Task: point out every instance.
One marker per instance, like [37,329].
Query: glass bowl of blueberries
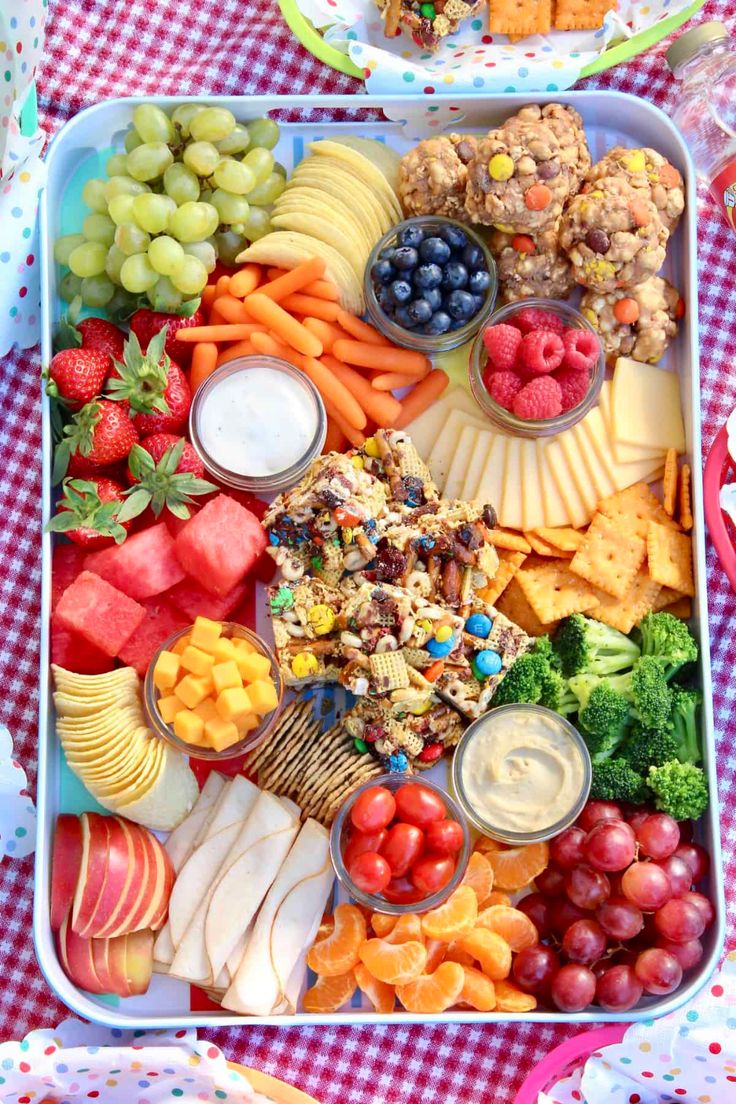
[430,284]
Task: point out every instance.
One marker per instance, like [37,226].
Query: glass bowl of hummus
[521,773]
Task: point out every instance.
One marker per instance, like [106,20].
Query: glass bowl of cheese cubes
[213,690]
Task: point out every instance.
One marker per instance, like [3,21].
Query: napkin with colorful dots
[688,1057]
[22,172]
[17,811]
[472,60]
[78,1061]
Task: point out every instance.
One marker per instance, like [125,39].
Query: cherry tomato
[445,837]
[370,872]
[432,873]
[402,847]
[373,810]
[400,891]
[360,842]
[419,805]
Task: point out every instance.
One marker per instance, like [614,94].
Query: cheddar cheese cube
[245,723]
[226,675]
[192,690]
[166,670]
[168,707]
[253,666]
[196,661]
[263,697]
[188,726]
[182,643]
[207,710]
[233,702]
[205,633]
[223,650]
[220,734]
[242,645]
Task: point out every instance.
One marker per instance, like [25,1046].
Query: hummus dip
[521,771]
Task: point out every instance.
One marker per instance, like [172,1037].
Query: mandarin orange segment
[330,993]
[381,995]
[454,918]
[382,923]
[517,866]
[478,990]
[485,844]
[394,963]
[436,954]
[326,928]
[496,897]
[338,952]
[453,953]
[511,924]
[509,998]
[407,929]
[479,875]
[490,950]
[435,992]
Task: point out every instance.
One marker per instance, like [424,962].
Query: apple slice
[158,899]
[66,861]
[131,914]
[118,873]
[159,918]
[76,959]
[122,915]
[95,842]
[138,962]
[101,963]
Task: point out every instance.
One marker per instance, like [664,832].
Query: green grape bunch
[190,188]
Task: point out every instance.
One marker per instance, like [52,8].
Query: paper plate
[313,41]
[565,1058]
[278,1090]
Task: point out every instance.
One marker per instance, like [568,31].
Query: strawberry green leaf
[67,335]
[142,377]
[135,503]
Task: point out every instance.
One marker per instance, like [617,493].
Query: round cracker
[364,169]
[324,230]
[378,153]
[335,177]
[314,201]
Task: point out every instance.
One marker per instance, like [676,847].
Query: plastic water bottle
[703,60]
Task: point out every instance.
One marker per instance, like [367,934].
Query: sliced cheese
[622,475]
[532,497]
[444,447]
[623,453]
[483,444]
[511,514]
[645,406]
[599,474]
[425,429]
[555,510]
[578,513]
[578,471]
[490,485]
[460,460]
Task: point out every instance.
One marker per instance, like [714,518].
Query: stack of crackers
[518,18]
[633,558]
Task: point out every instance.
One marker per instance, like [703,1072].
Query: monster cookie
[428,23]
[613,235]
[517,180]
[531,267]
[649,171]
[638,322]
[433,175]
[567,126]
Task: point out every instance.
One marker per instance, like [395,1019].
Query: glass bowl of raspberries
[537,367]
[429,284]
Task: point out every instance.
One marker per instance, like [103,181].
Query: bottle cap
[688,44]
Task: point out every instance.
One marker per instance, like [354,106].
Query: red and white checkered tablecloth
[98,49]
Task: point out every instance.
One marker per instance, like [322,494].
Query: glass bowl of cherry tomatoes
[400,844]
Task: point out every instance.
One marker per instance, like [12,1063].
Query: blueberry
[403,317]
[434,250]
[458,324]
[479,282]
[428,276]
[455,238]
[455,276]
[405,258]
[433,296]
[472,257]
[411,235]
[401,291]
[439,323]
[460,305]
[383,272]
[478,302]
[419,311]
[387,254]
[384,300]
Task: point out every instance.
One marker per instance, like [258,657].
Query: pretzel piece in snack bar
[405,738]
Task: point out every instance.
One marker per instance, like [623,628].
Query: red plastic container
[720,469]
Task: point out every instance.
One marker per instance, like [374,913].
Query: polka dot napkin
[473,60]
[688,1057]
[17,811]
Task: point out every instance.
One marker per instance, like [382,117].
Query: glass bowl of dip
[412,899]
[257,423]
[251,739]
[521,773]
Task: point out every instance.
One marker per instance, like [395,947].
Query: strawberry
[152,385]
[77,375]
[101,432]
[88,513]
[145,324]
[158,443]
[99,334]
[165,472]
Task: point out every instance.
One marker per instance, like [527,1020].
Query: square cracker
[513,604]
[554,592]
[624,613]
[669,490]
[671,558]
[508,564]
[520,17]
[609,557]
[564,537]
[682,608]
[544,548]
[634,508]
[507,538]
[581,15]
[686,510]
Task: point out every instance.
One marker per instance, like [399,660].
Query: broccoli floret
[669,640]
[650,694]
[614,780]
[684,726]
[587,646]
[557,695]
[680,789]
[543,647]
[604,721]
[524,682]
[648,747]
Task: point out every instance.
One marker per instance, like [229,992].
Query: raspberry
[541,351]
[582,349]
[537,318]
[503,387]
[502,345]
[573,386]
[539,399]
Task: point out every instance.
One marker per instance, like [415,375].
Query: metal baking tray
[78,153]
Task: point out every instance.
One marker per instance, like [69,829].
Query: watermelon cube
[194,601]
[142,566]
[66,563]
[162,620]
[220,545]
[74,653]
[100,613]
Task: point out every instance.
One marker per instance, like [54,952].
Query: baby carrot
[383,408]
[328,334]
[422,397]
[275,318]
[309,304]
[355,436]
[392,381]
[222,285]
[360,330]
[299,277]
[404,361]
[227,332]
[335,441]
[231,309]
[274,273]
[268,344]
[208,296]
[245,281]
[239,349]
[323,289]
[204,362]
